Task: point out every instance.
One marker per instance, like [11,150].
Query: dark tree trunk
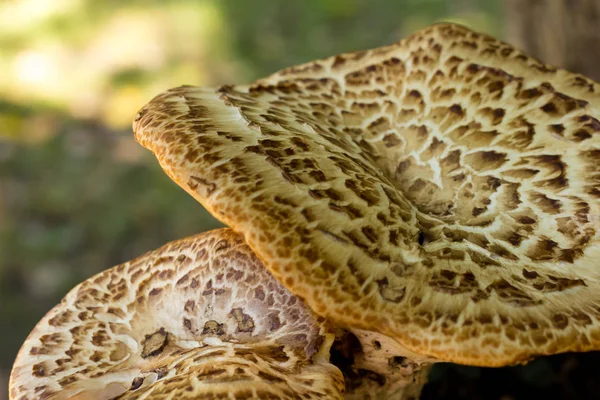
[565,33]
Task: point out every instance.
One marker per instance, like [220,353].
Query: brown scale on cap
[443,191]
[183,322]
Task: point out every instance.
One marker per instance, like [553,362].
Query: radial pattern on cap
[443,191]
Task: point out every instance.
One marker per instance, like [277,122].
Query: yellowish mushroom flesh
[443,191]
[199,318]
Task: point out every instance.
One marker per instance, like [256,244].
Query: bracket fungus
[435,200]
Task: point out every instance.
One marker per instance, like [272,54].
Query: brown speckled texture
[197,318]
[443,191]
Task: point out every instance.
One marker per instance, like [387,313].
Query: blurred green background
[78,195]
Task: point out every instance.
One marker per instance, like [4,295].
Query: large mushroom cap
[443,191]
[197,318]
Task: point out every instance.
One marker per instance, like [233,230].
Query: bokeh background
[78,195]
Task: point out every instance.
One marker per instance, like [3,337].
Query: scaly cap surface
[197,318]
[443,191]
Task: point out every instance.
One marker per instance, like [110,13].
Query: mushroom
[436,200]
[199,318]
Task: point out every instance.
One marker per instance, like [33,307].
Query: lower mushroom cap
[197,318]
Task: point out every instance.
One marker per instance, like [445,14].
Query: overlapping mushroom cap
[443,191]
[197,318]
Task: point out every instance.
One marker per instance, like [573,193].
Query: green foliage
[269,35]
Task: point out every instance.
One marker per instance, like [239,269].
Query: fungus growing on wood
[435,200]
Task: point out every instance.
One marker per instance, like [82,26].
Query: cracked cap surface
[443,191]
[197,318]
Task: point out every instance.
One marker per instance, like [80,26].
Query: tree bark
[564,33]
